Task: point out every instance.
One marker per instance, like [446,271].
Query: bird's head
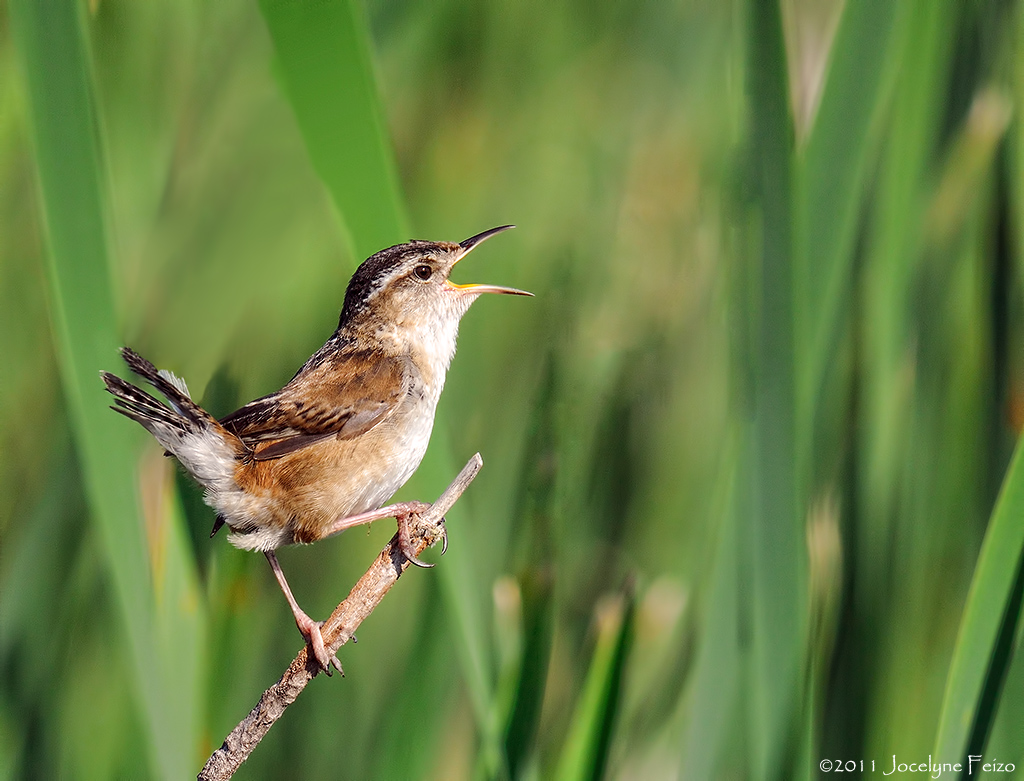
[403,293]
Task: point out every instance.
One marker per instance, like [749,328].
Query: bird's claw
[410,554]
[319,650]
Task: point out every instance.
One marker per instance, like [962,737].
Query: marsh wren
[327,450]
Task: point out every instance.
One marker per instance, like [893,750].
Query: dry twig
[346,618]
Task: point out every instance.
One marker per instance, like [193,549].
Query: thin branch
[346,618]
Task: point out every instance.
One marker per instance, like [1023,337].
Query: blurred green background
[749,498]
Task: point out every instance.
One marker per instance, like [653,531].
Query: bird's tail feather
[180,415]
[184,429]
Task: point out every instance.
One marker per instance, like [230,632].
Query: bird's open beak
[480,238]
[467,247]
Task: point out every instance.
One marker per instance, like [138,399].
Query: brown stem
[346,618]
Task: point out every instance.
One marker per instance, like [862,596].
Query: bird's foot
[310,630]
[411,511]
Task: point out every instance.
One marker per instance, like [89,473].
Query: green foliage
[985,644]
[153,581]
[771,381]
[323,57]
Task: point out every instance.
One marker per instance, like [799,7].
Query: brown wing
[344,396]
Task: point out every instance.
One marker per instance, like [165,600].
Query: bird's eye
[423,271]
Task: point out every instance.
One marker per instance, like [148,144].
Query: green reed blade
[324,59]
[830,177]
[585,752]
[984,646]
[161,619]
[777,576]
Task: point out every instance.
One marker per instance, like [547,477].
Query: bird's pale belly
[299,498]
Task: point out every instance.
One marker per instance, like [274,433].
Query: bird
[325,452]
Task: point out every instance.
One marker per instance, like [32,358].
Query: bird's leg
[310,629]
[403,513]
